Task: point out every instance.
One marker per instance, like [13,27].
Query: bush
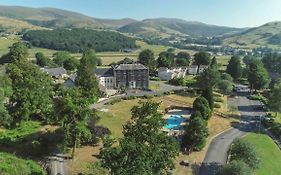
[147,96]
[217,105]
[261,98]
[154,79]
[235,168]
[177,82]
[218,99]
[243,150]
[100,131]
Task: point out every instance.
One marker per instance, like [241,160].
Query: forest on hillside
[79,40]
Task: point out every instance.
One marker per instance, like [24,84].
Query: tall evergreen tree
[201,105]
[196,132]
[257,75]
[234,68]
[274,101]
[214,62]
[208,95]
[86,79]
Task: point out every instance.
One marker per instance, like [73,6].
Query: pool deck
[184,113]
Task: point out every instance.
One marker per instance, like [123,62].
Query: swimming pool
[174,122]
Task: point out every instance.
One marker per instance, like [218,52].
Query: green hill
[162,27]
[57,18]
[266,35]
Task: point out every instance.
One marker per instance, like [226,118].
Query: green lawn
[5,43]
[269,153]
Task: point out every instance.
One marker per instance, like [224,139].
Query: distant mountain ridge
[170,25]
[57,18]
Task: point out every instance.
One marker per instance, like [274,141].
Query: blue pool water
[174,122]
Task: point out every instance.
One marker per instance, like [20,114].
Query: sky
[235,13]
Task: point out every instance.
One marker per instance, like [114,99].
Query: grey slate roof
[134,66]
[54,71]
[104,72]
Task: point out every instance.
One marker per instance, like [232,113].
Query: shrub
[243,150]
[218,99]
[112,102]
[235,168]
[147,96]
[154,79]
[261,98]
[177,82]
[217,105]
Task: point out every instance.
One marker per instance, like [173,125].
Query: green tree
[146,57]
[166,59]
[274,102]
[183,59]
[202,58]
[243,150]
[257,75]
[202,105]
[74,114]
[32,89]
[234,68]
[208,78]
[235,168]
[18,51]
[225,87]
[5,93]
[41,59]
[71,63]
[214,62]
[60,57]
[208,95]
[86,80]
[144,149]
[196,132]
[226,76]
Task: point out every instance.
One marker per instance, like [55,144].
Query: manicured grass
[120,112]
[154,86]
[269,153]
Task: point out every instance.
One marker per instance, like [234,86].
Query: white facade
[167,74]
[192,70]
[107,82]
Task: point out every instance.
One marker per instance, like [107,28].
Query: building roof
[134,66]
[54,71]
[193,66]
[72,77]
[104,72]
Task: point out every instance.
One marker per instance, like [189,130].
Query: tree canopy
[208,78]
[146,57]
[32,89]
[86,79]
[202,105]
[145,149]
[202,58]
[196,132]
[234,67]
[257,75]
[274,101]
[79,40]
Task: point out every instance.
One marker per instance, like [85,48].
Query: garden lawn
[269,153]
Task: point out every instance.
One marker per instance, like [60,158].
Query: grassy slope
[255,37]
[269,153]
[10,164]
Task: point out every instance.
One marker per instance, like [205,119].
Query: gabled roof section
[104,72]
[54,71]
[134,66]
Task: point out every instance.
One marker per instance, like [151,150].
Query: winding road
[218,149]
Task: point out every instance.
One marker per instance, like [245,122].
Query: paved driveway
[218,149]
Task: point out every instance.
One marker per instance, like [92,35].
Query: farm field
[269,153]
